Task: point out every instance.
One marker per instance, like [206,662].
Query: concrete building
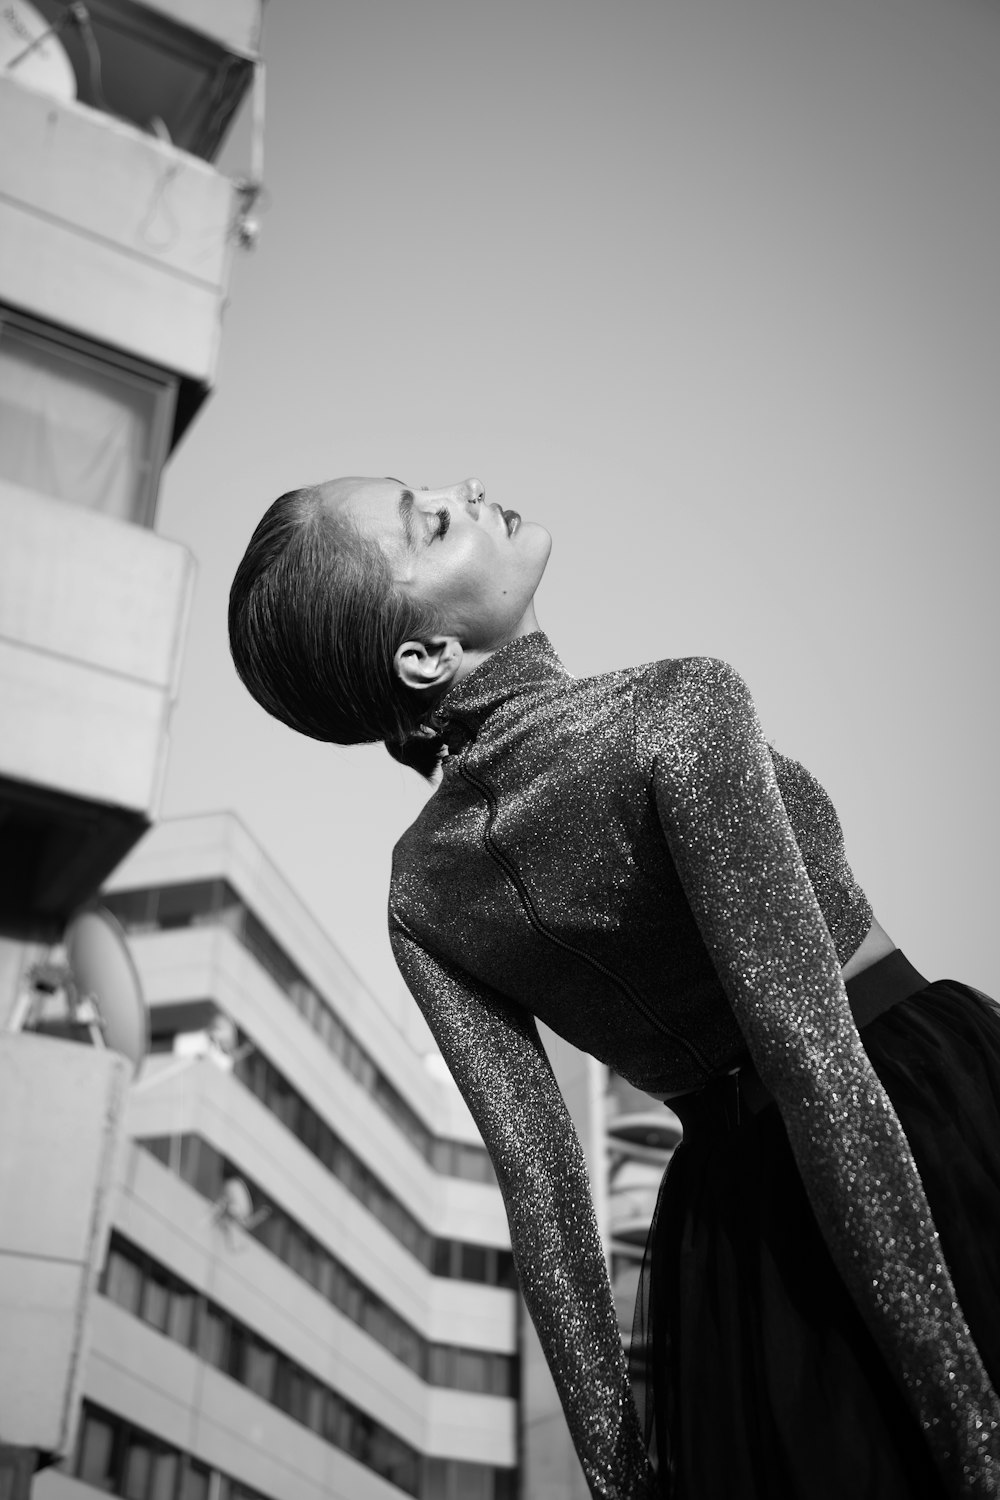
[309,1286]
[116,237]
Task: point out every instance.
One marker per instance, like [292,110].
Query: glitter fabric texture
[624,858]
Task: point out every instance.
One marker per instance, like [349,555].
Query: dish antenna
[105,974]
[31,52]
[93,995]
[234,1208]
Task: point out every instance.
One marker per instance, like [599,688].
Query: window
[313,1417]
[212,1342]
[259,1368]
[441,1365]
[392,1458]
[178,905]
[273,1233]
[202,1167]
[163,1477]
[472,1482]
[180,1316]
[472,1163]
[137,64]
[473,1371]
[506,1274]
[123,1280]
[236,1352]
[361,1432]
[95,1458]
[442,1264]
[473,1262]
[135,910]
[158,1146]
[281,1101]
[195,1480]
[504,1375]
[138,1467]
[155,1300]
[231,1490]
[336,1420]
[80,423]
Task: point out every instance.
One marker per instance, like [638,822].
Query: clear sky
[710,288]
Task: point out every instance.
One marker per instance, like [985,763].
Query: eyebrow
[405,508]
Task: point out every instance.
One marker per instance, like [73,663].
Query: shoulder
[690,684]
[692,706]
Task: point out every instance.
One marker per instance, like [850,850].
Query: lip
[511,520]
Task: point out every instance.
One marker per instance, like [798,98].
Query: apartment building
[117,232]
[309,1289]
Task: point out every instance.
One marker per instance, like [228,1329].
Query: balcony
[113,233]
[114,225]
[92,612]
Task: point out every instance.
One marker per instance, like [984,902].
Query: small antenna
[250,187]
[51,1004]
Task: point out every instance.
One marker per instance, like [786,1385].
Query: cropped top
[624,858]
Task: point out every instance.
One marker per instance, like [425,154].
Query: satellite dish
[105,973]
[32,53]
[235,1202]
[234,1208]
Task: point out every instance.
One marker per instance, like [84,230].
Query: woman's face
[476,565]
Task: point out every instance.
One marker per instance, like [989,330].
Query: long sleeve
[741,869]
[496,1057]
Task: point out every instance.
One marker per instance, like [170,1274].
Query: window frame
[160,383]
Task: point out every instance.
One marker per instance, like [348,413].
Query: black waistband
[883,985]
[870,994]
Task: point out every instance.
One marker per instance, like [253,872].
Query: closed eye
[444,521]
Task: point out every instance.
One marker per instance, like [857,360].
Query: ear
[428,666]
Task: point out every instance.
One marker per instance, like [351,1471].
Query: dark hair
[315,620]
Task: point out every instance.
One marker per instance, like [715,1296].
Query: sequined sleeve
[496,1057]
[743,875]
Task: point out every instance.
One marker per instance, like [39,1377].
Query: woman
[624,858]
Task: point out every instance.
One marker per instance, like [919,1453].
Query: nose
[475,491]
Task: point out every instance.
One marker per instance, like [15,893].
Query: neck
[475,656]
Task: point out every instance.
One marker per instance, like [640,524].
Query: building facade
[309,1289]
[117,233]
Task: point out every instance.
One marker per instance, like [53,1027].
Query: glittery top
[623,857]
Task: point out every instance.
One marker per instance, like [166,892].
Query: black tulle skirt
[758,1377]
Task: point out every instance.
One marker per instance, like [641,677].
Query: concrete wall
[112,232]
[92,614]
[61,1108]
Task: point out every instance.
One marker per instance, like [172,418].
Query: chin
[537,536]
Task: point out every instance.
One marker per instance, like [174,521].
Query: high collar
[520,667]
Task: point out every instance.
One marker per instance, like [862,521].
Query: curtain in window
[72,430]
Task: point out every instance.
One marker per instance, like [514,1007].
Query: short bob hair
[315,620]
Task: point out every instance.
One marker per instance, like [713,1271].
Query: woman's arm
[737,857]
[496,1058]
